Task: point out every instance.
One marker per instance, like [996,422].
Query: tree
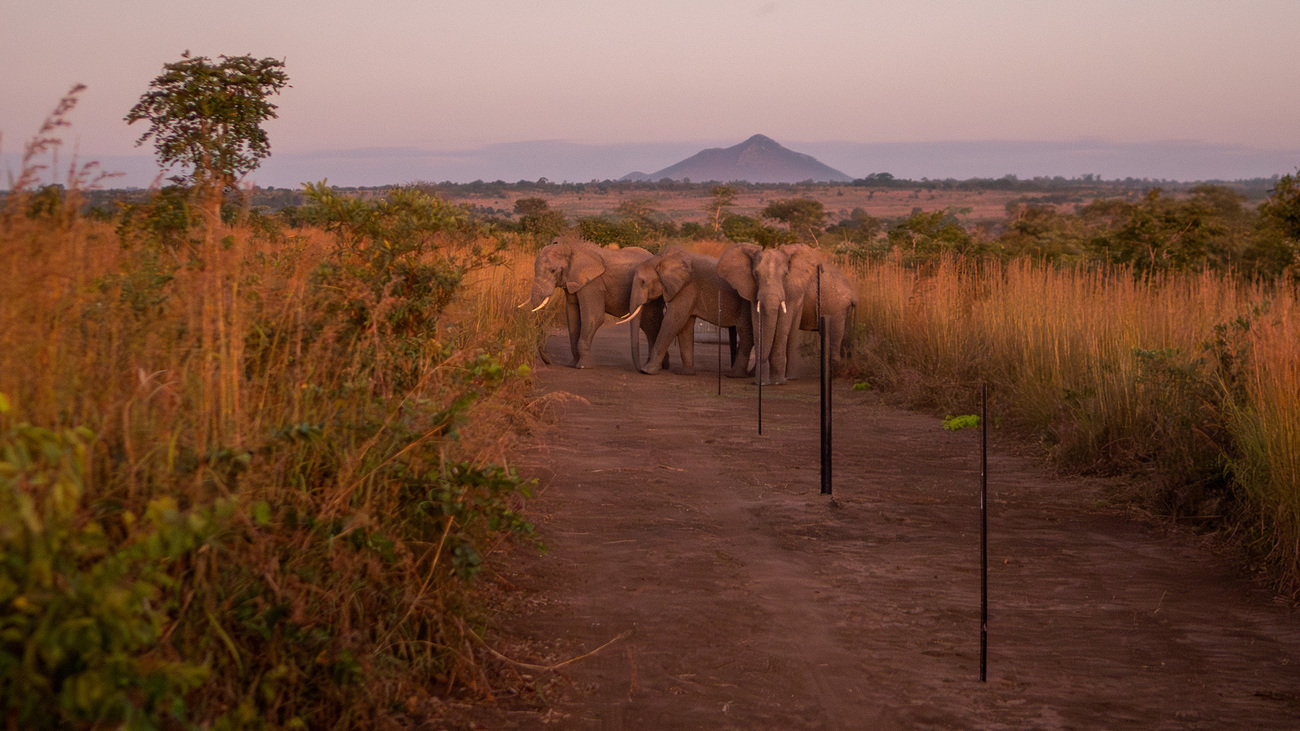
[804,216]
[724,196]
[646,220]
[538,219]
[1275,246]
[207,116]
[1282,209]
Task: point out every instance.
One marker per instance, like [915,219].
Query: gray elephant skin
[596,282]
[691,288]
[781,285]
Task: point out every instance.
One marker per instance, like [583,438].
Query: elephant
[691,288]
[781,285]
[596,282]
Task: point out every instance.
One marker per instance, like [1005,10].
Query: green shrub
[85,593]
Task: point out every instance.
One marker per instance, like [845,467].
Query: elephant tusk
[760,308]
[543,304]
[782,307]
[521,305]
[630,315]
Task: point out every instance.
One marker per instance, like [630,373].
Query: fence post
[984,531]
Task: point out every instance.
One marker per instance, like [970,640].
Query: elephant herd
[766,295]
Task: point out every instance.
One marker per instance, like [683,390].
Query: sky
[391,91]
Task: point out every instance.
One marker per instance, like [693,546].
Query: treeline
[1172,227]
[1212,228]
[1209,228]
[1062,188]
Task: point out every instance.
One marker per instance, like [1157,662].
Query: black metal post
[719,343]
[825,372]
[826,406]
[759,367]
[984,532]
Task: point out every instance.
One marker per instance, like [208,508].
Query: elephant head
[660,276]
[565,264]
[758,275]
[776,282]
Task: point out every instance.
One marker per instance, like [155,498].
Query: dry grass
[1192,379]
[333,473]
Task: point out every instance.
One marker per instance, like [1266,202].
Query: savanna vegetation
[250,472]
[252,450]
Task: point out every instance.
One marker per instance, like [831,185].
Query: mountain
[758,159]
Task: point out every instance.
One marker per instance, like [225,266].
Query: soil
[720,590]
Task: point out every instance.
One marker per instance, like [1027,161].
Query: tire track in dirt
[755,602]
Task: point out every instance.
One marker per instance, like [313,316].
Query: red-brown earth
[739,597]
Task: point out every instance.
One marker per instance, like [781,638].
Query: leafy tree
[1161,233]
[745,228]
[605,230]
[858,234]
[925,234]
[1282,209]
[537,218]
[724,196]
[1275,245]
[1040,231]
[207,117]
[860,226]
[804,216]
[644,218]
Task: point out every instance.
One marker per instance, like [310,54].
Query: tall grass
[246,479]
[1188,378]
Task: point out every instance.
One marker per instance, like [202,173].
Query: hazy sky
[460,75]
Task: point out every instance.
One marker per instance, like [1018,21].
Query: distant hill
[759,159]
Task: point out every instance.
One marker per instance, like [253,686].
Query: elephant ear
[674,273]
[736,266]
[584,266]
[803,264]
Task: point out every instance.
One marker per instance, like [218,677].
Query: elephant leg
[572,316]
[792,352]
[765,337]
[674,320]
[653,325]
[741,349]
[663,316]
[783,347]
[848,325]
[591,309]
[686,347]
[836,341]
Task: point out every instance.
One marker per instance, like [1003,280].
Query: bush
[87,592]
[286,503]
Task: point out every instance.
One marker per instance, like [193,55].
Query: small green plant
[81,614]
[965,421]
[862,386]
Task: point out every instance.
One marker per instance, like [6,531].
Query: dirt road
[747,600]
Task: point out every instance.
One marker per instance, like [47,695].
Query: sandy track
[752,601]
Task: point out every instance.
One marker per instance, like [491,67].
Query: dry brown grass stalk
[1185,377]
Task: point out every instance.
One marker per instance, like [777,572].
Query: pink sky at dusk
[447,76]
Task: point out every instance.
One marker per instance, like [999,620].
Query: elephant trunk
[541,296]
[636,303]
[767,311]
[635,330]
